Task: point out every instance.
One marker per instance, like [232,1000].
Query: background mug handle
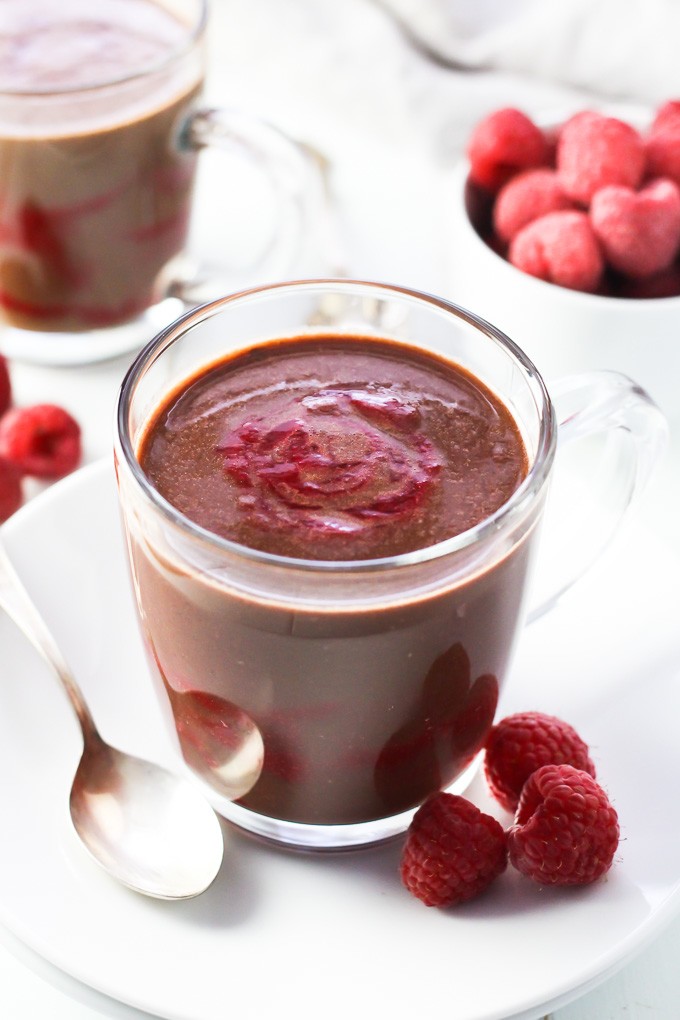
[299,235]
[621,434]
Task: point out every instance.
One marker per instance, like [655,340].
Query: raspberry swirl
[337,461]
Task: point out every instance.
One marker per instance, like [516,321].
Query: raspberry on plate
[639,231]
[526,197]
[453,851]
[502,143]
[566,831]
[42,441]
[11,495]
[594,151]
[560,248]
[5,386]
[521,743]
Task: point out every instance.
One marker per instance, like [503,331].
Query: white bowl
[565,331]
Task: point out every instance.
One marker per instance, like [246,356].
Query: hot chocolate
[333,448]
[339,448]
[94,194]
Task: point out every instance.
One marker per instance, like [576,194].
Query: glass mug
[98,162]
[321,702]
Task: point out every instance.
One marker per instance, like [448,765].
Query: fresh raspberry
[662,150]
[453,851]
[639,230]
[565,832]
[526,197]
[42,441]
[10,489]
[594,151]
[522,743]
[560,248]
[503,143]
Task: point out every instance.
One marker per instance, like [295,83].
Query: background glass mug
[99,131]
[372,683]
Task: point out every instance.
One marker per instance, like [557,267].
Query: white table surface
[340,76]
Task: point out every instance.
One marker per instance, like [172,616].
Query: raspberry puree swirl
[336,462]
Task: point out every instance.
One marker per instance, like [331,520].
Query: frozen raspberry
[522,743]
[552,137]
[42,441]
[662,149]
[639,231]
[5,386]
[10,489]
[503,143]
[662,285]
[565,832]
[594,151]
[667,115]
[453,851]
[528,196]
[560,248]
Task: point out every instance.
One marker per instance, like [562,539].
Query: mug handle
[299,179]
[625,433]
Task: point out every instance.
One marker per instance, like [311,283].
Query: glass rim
[194,32]
[503,518]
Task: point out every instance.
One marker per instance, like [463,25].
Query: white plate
[300,936]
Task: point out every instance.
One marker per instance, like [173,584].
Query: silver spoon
[150,829]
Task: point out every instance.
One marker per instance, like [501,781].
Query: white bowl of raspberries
[566,236]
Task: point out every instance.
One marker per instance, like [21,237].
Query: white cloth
[623,49]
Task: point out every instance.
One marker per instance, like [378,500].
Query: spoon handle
[14,599]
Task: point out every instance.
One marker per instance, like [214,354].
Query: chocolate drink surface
[336,448]
[94,196]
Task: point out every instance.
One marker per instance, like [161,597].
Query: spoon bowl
[146,826]
[150,829]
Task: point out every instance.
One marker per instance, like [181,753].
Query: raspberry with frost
[594,151]
[662,144]
[526,197]
[666,116]
[560,248]
[662,285]
[502,143]
[662,149]
[639,231]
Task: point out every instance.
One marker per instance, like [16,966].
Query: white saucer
[302,936]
